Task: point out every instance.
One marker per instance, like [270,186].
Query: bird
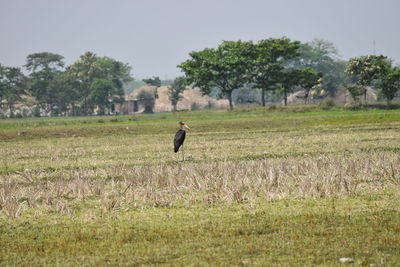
[180,137]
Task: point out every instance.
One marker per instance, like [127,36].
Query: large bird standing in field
[180,137]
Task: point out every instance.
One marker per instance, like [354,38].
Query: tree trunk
[229,93]
[365,97]
[285,97]
[10,106]
[85,107]
[263,97]
[306,98]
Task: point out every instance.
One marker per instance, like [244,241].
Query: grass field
[298,186]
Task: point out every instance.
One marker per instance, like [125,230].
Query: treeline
[273,67]
[91,83]
[281,66]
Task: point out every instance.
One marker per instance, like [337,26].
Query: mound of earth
[192,99]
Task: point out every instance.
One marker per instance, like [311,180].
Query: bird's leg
[183,154]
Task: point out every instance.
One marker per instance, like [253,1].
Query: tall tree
[267,58]
[390,84]
[368,69]
[308,79]
[43,68]
[323,57]
[2,84]
[175,91]
[12,86]
[224,68]
[90,67]
[85,70]
[66,93]
[298,78]
[288,81]
[43,61]
[118,73]
[101,92]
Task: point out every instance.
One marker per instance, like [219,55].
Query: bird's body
[180,138]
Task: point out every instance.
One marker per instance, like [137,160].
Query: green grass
[162,124]
[296,233]
[258,187]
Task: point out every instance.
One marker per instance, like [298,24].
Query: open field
[258,187]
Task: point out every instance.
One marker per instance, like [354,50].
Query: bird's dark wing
[178,139]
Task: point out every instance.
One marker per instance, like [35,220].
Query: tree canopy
[175,91]
[155,81]
[42,61]
[224,67]
[43,68]
[12,86]
[91,67]
[322,56]
[367,71]
[390,84]
[267,59]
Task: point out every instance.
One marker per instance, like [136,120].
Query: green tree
[66,93]
[84,71]
[12,86]
[356,91]
[298,78]
[101,92]
[267,59]
[90,67]
[288,81]
[322,56]
[175,91]
[43,61]
[390,84]
[43,68]
[155,81]
[308,79]
[224,68]
[118,73]
[367,70]
[2,83]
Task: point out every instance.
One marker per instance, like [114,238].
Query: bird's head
[183,125]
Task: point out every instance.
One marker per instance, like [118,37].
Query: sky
[154,36]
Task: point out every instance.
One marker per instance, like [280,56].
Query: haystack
[192,99]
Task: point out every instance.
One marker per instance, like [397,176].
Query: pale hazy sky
[154,36]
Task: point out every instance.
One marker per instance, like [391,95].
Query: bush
[327,104]
[194,106]
[36,112]
[148,99]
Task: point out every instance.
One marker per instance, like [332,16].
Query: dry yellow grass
[221,167]
[289,189]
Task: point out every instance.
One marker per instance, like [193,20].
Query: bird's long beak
[187,127]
